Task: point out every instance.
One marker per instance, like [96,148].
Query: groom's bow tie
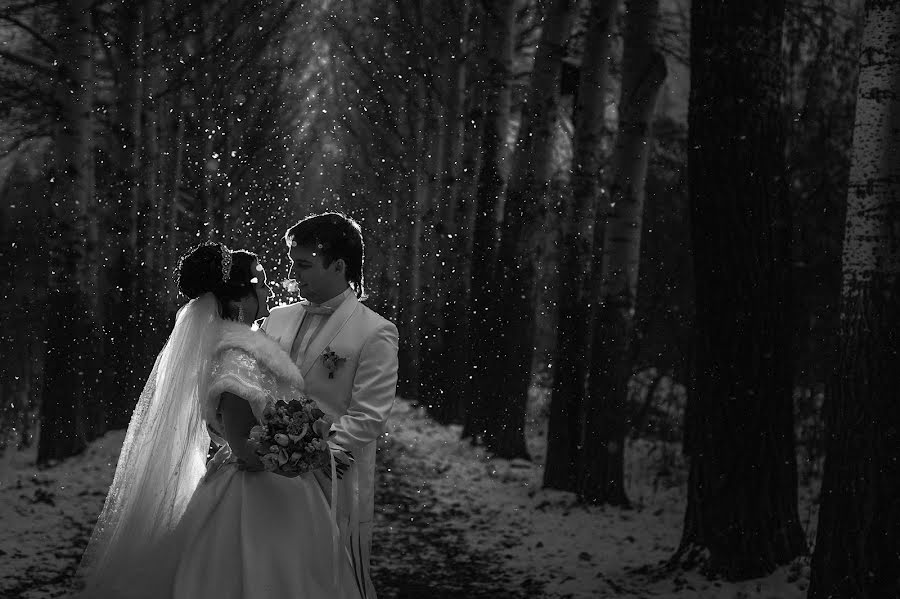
[312,308]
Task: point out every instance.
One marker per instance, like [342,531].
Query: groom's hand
[340,466]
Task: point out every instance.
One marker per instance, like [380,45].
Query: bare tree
[741,518]
[122,254]
[454,387]
[455,77]
[601,465]
[70,413]
[505,385]
[857,551]
[575,262]
[174,151]
[497,29]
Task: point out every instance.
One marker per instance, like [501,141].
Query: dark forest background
[638,207]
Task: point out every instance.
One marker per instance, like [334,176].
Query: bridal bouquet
[293,437]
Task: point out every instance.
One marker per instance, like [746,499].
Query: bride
[175,527]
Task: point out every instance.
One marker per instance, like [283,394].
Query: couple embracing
[246,524]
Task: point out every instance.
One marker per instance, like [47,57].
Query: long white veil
[164,454]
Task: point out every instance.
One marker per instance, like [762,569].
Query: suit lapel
[332,327]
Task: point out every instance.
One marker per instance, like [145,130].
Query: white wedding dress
[212,532]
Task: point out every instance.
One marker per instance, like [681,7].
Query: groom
[344,350]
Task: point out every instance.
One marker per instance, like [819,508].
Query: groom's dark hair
[338,236]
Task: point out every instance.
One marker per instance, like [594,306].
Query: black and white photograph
[444,299]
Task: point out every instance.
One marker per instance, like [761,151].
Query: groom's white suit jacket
[366,381]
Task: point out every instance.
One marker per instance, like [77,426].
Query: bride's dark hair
[200,271]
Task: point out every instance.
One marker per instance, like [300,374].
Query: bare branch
[32,63]
[15,9]
[35,134]
[25,27]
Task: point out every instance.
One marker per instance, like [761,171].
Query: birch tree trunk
[857,551]
[573,333]
[70,413]
[497,28]
[742,519]
[507,382]
[601,463]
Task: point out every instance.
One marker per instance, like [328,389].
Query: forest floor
[451,521]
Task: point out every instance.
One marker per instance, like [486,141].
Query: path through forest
[419,551]
[451,521]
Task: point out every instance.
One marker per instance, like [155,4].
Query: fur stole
[262,347]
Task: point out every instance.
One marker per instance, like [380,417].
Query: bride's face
[257,307]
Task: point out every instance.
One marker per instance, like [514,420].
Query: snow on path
[547,542]
[46,516]
[450,521]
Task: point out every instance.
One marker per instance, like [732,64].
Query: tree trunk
[437,368]
[507,382]
[741,518]
[602,461]
[176,158]
[394,265]
[430,275]
[456,382]
[152,330]
[573,333]
[497,28]
[419,196]
[204,99]
[857,550]
[125,386]
[70,413]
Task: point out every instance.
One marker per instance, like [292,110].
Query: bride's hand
[247,460]
[258,467]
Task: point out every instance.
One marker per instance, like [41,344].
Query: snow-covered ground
[47,515]
[572,549]
[545,543]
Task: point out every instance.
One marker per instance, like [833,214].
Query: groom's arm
[374,388]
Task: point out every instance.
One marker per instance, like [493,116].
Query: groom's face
[316,282]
